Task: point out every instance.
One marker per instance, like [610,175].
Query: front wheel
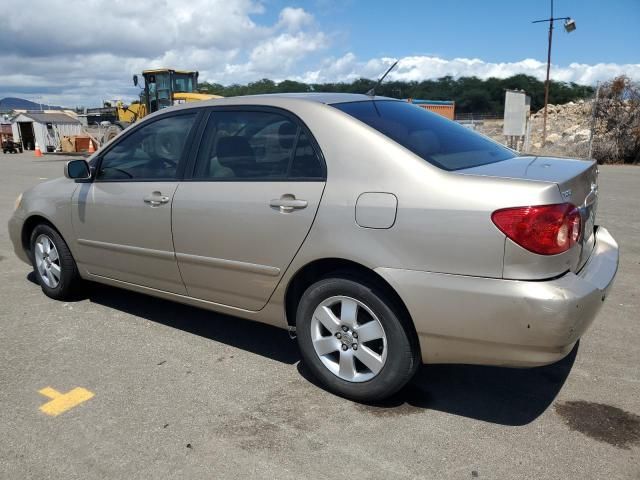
[53,263]
[354,339]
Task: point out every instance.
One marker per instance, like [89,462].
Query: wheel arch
[317,269]
[29,225]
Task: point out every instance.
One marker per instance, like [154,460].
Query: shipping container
[446,108]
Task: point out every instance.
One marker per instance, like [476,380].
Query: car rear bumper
[462,319]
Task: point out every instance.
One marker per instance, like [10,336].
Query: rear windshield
[439,141]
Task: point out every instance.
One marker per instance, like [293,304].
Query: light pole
[569,26]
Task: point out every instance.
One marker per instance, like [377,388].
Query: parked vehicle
[383,235]
[9,146]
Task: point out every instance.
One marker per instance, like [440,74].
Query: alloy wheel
[47,261]
[349,338]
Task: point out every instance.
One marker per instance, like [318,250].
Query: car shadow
[504,396]
[500,395]
[258,338]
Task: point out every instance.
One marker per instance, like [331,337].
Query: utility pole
[546,82]
[569,26]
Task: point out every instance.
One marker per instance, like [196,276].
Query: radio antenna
[372,92]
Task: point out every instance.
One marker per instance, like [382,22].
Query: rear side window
[306,163]
[255,145]
[437,140]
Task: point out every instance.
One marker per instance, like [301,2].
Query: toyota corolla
[382,235]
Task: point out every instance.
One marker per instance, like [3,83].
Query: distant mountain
[12,103]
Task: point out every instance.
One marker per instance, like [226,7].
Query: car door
[122,219]
[242,216]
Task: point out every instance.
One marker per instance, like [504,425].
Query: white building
[47,129]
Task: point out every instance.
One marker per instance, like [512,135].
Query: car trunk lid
[576,180]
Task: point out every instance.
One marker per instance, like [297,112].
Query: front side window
[437,140]
[246,145]
[151,152]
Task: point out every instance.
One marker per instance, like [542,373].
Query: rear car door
[122,219]
[240,219]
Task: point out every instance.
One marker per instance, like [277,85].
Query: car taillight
[542,229]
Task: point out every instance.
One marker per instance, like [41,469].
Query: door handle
[288,203]
[156,199]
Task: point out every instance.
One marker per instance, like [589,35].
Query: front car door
[241,218]
[122,220]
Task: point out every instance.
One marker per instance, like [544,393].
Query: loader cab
[161,85]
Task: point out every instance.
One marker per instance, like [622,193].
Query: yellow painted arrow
[61,402]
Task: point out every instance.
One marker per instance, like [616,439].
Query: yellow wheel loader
[162,88]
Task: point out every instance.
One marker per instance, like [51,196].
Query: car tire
[53,264]
[367,370]
[112,132]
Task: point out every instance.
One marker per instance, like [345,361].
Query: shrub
[617,117]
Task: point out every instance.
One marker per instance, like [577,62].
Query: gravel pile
[568,130]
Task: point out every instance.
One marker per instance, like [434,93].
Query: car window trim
[182,162]
[292,156]
[191,168]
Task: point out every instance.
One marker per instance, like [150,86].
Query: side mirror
[77,170]
[135,80]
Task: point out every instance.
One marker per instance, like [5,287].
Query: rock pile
[568,130]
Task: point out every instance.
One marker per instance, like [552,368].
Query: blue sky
[51,56]
[493,30]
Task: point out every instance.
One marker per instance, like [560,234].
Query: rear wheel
[53,263]
[354,340]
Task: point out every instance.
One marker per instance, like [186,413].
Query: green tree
[471,94]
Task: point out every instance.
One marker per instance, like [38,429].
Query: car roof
[276,99]
[322,97]
[279,100]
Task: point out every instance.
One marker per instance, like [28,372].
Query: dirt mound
[568,129]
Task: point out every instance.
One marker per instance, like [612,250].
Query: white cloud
[417,68]
[294,18]
[277,55]
[125,27]
[78,52]
[75,52]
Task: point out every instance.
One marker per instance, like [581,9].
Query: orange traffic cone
[91,147]
[38,151]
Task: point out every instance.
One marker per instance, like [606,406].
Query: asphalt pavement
[144,388]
